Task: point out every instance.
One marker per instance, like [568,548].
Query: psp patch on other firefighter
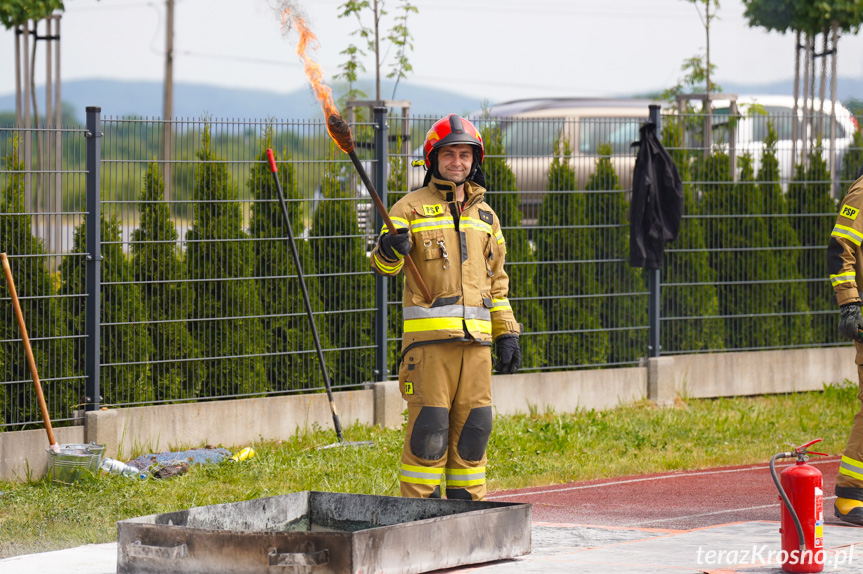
[436,209]
[849,212]
[486,216]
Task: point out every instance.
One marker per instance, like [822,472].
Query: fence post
[653,277]
[381,340]
[93,279]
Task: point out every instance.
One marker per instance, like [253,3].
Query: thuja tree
[503,197]
[623,309]
[345,281]
[291,362]
[813,212]
[161,276]
[739,253]
[689,300]
[568,283]
[224,300]
[125,347]
[789,291]
[41,310]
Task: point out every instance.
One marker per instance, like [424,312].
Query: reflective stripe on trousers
[421,474]
[461,477]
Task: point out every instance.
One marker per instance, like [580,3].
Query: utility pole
[168,97]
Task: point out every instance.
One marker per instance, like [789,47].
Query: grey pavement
[745,547]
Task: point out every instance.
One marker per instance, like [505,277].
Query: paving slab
[88,559]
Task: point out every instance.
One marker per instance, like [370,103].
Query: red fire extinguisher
[801,489]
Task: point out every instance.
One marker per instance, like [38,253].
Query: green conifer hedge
[568,283]
[43,314]
[623,310]
[161,276]
[225,303]
[689,300]
[504,199]
[736,237]
[790,291]
[813,212]
[125,346]
[292,363]
[346,283]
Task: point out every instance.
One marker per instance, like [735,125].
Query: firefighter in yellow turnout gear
[454,238]
[845,265]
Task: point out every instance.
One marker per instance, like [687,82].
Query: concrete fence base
[236,423]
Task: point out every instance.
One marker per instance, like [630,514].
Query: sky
[489,49]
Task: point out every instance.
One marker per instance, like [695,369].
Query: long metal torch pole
[306,302]
[409,263]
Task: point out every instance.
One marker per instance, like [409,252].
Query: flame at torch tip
[339,130]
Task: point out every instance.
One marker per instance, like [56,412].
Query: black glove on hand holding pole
[850,322]
[508,354]
[392,244]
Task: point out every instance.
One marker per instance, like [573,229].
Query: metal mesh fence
[41,195]
[199,297]
[749,268]
[221,311]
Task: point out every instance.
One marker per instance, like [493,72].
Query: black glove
[850,322]
[391,244]
[508,354]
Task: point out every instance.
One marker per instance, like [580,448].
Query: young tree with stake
[397,38]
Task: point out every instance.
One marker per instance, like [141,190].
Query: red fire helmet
[450,130]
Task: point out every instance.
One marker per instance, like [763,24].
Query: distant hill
[846,89]
[144,99]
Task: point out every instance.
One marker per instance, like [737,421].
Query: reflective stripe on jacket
[844,261]
[462,268]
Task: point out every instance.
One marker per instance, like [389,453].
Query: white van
[752,125]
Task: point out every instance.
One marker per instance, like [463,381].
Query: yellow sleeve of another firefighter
[502,319]
[379,262]
[843,250]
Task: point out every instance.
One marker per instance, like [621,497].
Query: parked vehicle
[531,127]
[750,129]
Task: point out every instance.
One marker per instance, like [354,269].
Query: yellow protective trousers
[849,481]
[447,387]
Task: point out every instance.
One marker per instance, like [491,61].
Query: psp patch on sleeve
[849,212]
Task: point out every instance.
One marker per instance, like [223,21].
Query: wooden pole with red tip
[28,351]
[341,133]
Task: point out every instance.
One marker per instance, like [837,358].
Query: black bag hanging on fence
[657,201]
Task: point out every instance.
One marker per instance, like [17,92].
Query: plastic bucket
[74,461]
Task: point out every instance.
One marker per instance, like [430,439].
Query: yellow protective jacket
[844,261]
[459,259]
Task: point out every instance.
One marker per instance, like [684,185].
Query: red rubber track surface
[680,500]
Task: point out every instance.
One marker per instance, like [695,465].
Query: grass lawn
[526,450]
